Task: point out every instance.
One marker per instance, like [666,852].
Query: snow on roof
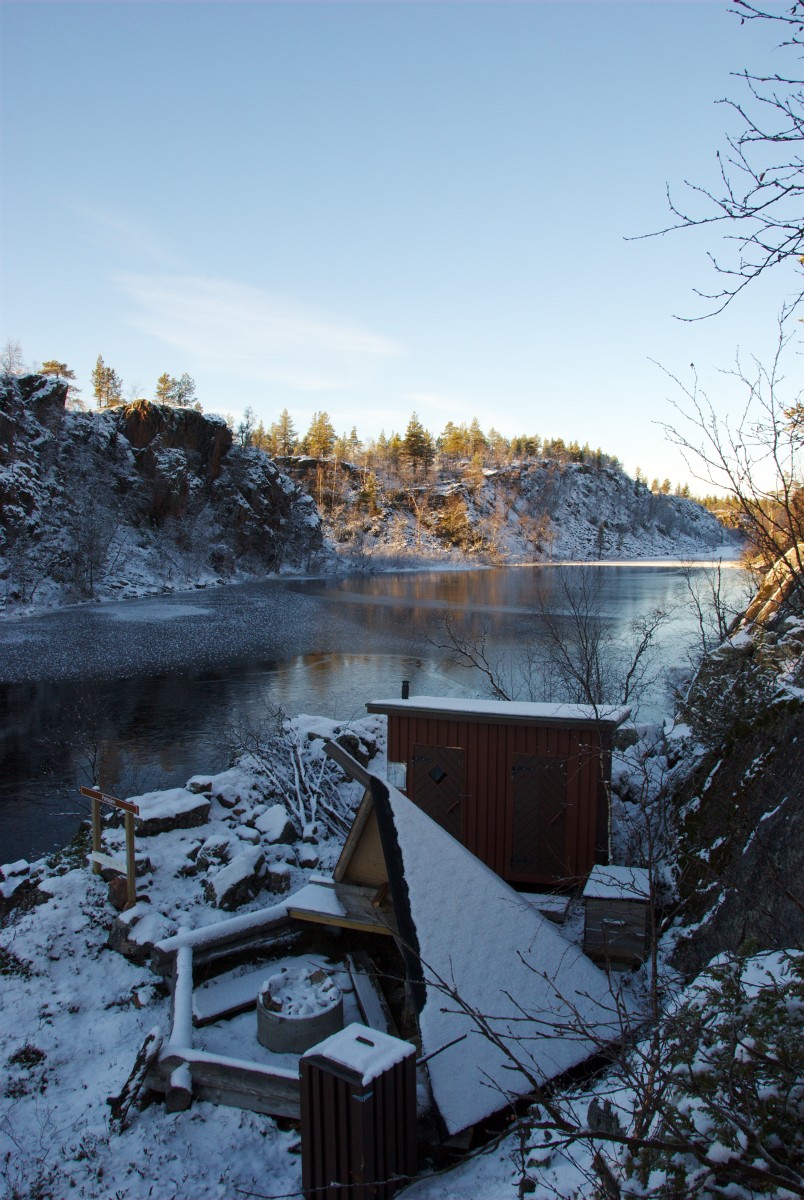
[617,883]
[484,950]
[367,1052]
[508,710]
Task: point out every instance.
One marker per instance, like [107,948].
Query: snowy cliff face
[741,806]
[134,499]
[526,512]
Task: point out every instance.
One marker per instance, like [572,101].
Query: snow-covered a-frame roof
[503,711]
[484,965]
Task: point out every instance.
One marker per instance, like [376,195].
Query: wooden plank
[366,864]
[365,924]
[112,801]
[96,831]
[106,860]
[372,1002]
[235,1082]
[365,810]
[233,936]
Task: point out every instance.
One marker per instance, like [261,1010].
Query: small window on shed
[398,774]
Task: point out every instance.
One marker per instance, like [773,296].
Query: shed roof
[503,712]
[485,966]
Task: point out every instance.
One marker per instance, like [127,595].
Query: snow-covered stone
[175,808]
[238,882]
[276,826]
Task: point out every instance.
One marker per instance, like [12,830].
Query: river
[143,693]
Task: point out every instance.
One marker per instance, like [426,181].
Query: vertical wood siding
[488,821]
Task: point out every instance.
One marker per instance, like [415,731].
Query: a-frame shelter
[504,1001]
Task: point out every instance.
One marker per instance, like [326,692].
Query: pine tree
[477,438]
[60,370]
[320,437]
[418,446]
[283,434]
[164,388]
[107,386]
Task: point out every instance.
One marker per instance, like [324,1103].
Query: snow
[153,611]
[273,822]
[242,867]
[367,1052]
[171,803]
[617,883]
[488,955]
[317,898]
[511,709]
[299,991]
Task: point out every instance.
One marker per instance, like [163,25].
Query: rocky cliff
[741,806]
[522,512]
[135,498]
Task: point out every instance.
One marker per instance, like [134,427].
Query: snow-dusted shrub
[730,1101]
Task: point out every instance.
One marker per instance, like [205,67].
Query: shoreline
[731,560]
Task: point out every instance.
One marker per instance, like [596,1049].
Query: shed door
[539,817]
[438,784]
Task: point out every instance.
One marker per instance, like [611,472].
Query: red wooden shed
[524,786]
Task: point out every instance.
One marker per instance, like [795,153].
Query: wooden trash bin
[358,1115]
[616,929]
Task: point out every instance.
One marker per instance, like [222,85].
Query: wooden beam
[231,1081]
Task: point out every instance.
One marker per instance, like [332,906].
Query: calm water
[144,693]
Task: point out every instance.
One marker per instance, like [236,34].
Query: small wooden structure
[617,929]
[358,1116]
[100,860]
[524,786]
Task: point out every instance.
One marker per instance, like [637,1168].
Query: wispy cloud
[252,333]
[118,232]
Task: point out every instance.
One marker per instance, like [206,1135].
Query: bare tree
[570,656]
[759,199]
[754,458]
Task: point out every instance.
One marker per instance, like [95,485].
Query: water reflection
[143,694]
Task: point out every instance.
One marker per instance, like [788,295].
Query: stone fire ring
[297,1008]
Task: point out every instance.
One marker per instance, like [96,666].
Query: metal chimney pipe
[405,689]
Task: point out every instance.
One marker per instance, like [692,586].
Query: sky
[378,208]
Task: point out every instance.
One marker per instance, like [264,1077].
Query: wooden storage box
[617,902]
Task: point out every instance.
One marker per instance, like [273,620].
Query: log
[179,1095]
[232,1081]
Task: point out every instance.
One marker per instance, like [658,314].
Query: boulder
[175,808]
[135,931]
[238,882]
[276,826]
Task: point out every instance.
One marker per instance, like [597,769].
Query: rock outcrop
[135,498]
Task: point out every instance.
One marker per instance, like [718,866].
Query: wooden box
[358,1115]
[617,903]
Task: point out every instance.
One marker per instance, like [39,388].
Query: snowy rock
[173,809]
[276,826]
[20,867]
[118,892]
[308,857]
[215,850]
[237,883]
[229,788]
[135,931]
[277,877]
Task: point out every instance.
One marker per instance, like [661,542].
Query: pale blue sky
[372,208]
